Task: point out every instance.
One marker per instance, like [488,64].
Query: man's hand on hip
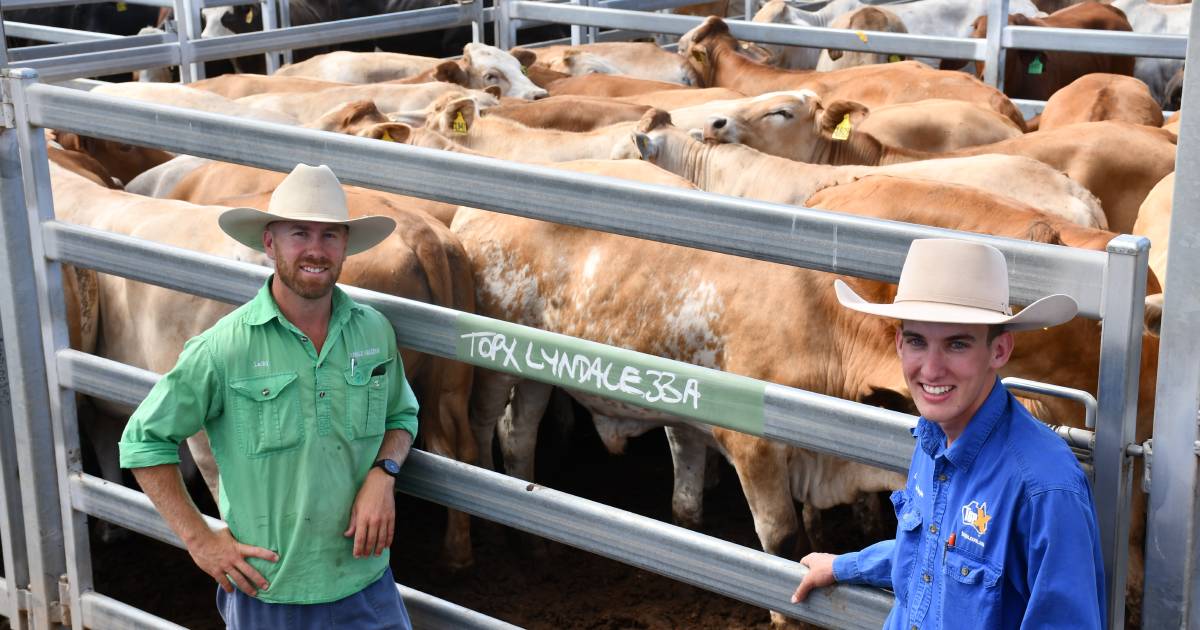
[820,573]
[373,517]
[224,558]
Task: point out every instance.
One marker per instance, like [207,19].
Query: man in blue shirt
[996,525]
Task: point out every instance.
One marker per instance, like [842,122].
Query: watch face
[391,467]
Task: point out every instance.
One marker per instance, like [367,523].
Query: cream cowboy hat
[959,282]
[308,193]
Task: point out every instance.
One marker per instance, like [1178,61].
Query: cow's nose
[719,122]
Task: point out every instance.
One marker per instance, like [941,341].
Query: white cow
[948,18]
[1160,19]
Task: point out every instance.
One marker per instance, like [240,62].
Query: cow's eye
[782,112]
[491,77]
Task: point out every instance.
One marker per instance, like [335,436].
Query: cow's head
[794,125]
[488,66]
[651,139]
[873,19]
[576,62]
[453,118]
[699,46]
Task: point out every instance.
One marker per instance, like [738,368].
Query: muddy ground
[566,589]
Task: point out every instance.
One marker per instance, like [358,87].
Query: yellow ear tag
[894,58]
[524,71]
[121,6]
[387,137]
[862,36]
[460,124]
[842,131]
[250,15]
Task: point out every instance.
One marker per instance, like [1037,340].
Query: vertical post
[506,35]
[187,15]
[1116,418]
[1172,588]
[591,31]
[576,30]
[54,448]
[12,527]
[30,384]
[3,43]
[478,25]
[749,11]
[993,69]
[285,20]
[270,22]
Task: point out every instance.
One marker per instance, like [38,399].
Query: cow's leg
[519,427]
[689,459]
[451,436]
[202,454]
[489,400]
[103,432]
[762,468]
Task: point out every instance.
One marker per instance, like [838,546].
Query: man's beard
[303,284]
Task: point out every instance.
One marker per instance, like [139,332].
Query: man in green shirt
[303,396]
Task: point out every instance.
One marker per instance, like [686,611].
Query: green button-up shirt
[294,434]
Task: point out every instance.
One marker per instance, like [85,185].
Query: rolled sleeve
[402,406]
[175,409]
[872,566]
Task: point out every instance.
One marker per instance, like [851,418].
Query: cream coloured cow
[865,20]
[643,60]
[485,66]
[307,107]
[146,326]
[1154,222]
[191,98]
[734,169]
[1116,161]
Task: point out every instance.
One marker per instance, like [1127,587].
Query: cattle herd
[915,140]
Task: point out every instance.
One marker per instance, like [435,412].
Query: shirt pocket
[972,589]
[908,540]
[367,398]
[267,414]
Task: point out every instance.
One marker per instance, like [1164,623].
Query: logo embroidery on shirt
[975,514]
[919,493]
[264,363]
[364,353]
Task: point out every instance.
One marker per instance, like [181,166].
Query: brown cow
[642,60]
[235,86]
[609,85]
[714,53]
[1100,96]
[1116,161]
[569,113]
[1038,74]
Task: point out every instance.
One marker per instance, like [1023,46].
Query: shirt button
[266,392]
[965,571]
[925,577]
[942,477]
[304,339]
[933,529]
[322,394]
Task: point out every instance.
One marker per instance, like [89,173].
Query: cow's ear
[68,140]
[758,53]
[494,90]
[525,56]
[459,116]
[1153,315]
[711,27]
[388,132]
[888,399]
[646,147]
[451,72]
[841,117]
[653,119]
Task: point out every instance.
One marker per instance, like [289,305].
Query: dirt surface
[565,588]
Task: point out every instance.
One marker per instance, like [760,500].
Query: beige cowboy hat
[959,282]
[308,193]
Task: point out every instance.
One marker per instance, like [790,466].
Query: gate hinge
[60,611]
[24,597]
[1147,464]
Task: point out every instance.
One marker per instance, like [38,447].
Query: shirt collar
[263,308]
[962,453]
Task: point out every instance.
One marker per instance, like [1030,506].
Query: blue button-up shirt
[997,531]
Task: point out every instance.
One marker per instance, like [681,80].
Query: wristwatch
[389,466]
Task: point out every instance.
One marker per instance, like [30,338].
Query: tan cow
[146,326]
[675,99]
[120,160]
[191,98]
[608,85]
[713,52]
[1117,161]
[938,125]
[569,113]
[733,169]
[642,60]
[1100,96]
[728,313]
[1154,222]
[235,86]
[864,20]
[1172,123]
[307,107]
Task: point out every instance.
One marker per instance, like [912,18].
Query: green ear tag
[1036,66]
[842,131]
[524,70]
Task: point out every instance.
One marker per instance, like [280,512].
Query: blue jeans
[376,607]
